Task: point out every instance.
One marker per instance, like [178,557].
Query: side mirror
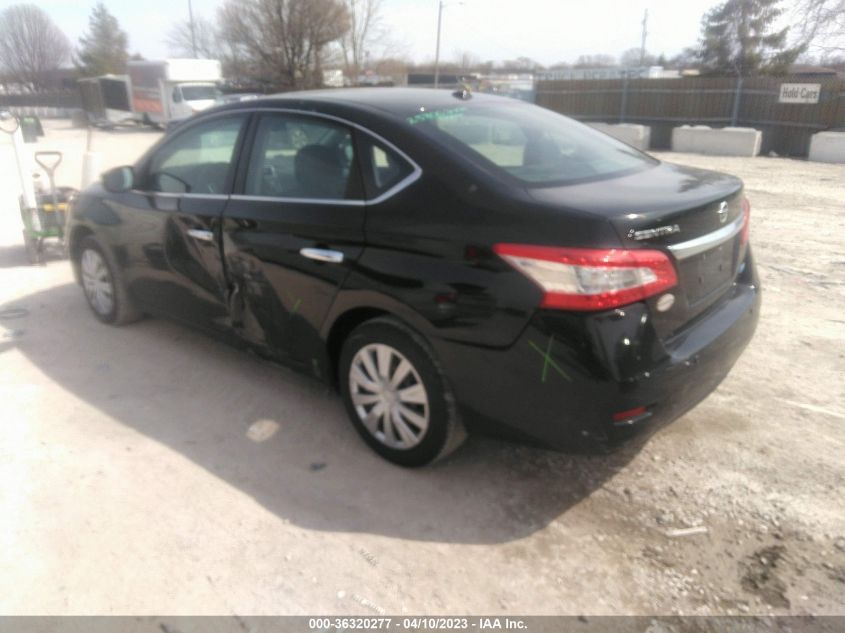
[119,179]
[177,95]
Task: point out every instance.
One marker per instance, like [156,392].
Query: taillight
[630,414]
[746,222]
[591,279]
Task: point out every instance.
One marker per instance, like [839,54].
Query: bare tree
[833,60]
[180,41]
[633,58]
[466,60]
[822,24]
[283,41]
[391,66]
[31,45]
[687,58]
[364,29]
[521,64]
[595,61]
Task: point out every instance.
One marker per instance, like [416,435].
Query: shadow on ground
[15,255]
[305,463]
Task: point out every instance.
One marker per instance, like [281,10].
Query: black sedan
[448,261]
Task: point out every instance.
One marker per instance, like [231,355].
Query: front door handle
[322,255]
[201,234]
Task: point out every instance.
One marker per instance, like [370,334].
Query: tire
[428,427]
[103,288]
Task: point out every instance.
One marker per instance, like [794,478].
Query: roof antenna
[464,93]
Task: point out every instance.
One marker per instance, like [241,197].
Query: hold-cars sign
[799,93]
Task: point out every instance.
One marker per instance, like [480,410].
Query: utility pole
[193,29]
[642,42]
[440,6]
[437,50]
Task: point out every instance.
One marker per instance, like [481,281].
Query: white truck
[172,89]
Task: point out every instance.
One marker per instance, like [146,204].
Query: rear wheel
[396,394]
[103,288]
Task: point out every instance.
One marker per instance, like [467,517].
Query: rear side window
[532,144]
[385,167]
[197,160]
[302,157]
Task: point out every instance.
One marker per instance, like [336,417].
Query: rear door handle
[322,255]
[201,234]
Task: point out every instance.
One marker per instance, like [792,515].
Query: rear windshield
[532,144]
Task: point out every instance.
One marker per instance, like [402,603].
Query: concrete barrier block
[727,141]
[637,135]
[827,147]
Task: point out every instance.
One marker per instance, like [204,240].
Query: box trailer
[107,100]
[172,89]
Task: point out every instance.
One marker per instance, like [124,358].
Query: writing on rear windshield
[435,115]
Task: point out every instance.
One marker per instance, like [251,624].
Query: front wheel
[104,290]
[396,394]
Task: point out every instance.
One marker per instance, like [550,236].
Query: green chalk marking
[548,361]
[435,115]
[296,304]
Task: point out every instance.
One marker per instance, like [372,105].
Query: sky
[547,31]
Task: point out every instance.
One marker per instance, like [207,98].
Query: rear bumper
[561,383]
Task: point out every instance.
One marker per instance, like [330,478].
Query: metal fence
[53,104]
[718,102]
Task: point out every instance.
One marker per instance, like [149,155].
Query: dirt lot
[151,470]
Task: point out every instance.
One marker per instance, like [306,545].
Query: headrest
[319,172]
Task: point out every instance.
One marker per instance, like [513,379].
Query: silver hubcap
[97,282]
[389,396]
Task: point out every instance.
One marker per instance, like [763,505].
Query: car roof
[397,101]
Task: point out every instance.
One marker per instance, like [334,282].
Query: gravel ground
[150,470]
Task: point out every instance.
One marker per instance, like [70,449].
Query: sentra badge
[660,231]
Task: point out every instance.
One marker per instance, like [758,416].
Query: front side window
[532,144]
[197,160]
[302,157]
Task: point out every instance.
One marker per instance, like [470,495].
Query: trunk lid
[693,215]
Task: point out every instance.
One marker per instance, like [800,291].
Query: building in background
[609,72]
